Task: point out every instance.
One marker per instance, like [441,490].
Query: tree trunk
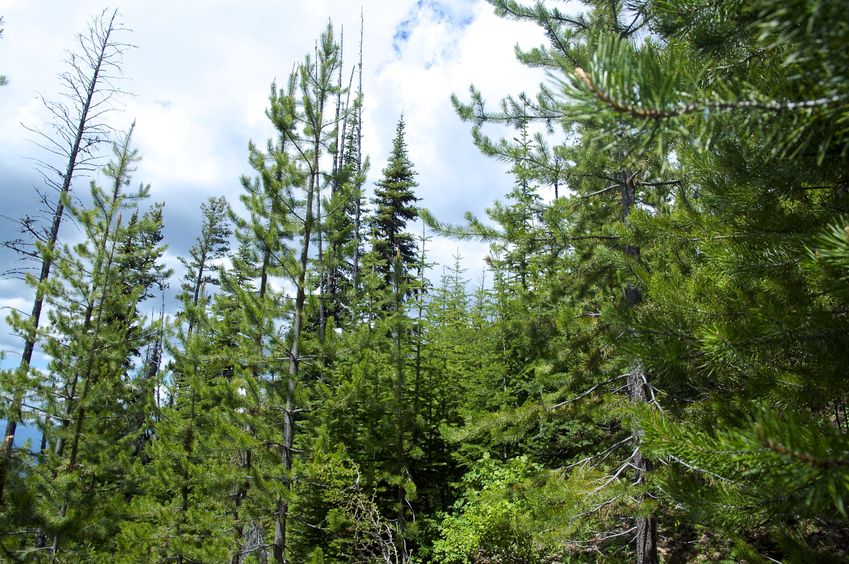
[646,547]
[282,512]
[358,203]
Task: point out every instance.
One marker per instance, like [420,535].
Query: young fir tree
[371,358]
[343,224]
[370,400]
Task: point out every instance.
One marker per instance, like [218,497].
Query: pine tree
[589,258]
[277,241]
[755,330]
[263,254]
[212,245]
[93,339]
[78,131]
[695,202]
[186,472]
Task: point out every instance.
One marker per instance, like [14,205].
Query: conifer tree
[79,129]
[343,223]
[95,335]
[394,202]
[752,152]
[681,239]
[263,254]
[186,473]
[584,235]
[277,241]
[212,244]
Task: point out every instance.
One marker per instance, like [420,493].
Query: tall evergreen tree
[394,201]
[93,340]
[185,471]
[79,129]
[277,241]
[212,245]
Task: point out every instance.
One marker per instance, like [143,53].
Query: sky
[200,76]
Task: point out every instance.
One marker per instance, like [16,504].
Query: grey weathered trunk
[646,542]
[359,133]
[646,548]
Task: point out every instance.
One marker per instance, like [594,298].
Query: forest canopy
[651,370]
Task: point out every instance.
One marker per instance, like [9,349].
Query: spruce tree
[394,201]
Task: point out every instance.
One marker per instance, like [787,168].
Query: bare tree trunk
[358,203]
[99,52]
[646,547]
[419,331]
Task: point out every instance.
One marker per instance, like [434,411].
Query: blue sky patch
[458,17]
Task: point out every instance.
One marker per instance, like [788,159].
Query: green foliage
[658,353]
[394,201]
[702,155]
[490,520]
[94,400]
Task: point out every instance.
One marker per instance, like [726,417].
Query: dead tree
[71,143]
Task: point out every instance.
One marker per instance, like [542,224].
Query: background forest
[652,369]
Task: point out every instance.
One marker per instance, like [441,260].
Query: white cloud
[180,147]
